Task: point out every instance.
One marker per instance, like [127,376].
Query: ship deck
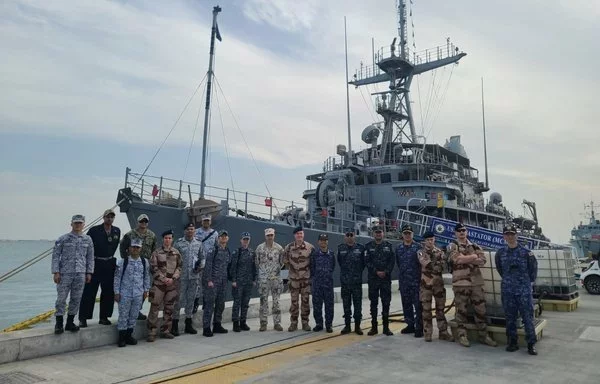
[568,352]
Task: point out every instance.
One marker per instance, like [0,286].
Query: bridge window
[385,178]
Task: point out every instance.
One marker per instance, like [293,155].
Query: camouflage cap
[78,219]
[207,217]
[136,242]
[108,212]
[269,231]
[142,217]
[223,232]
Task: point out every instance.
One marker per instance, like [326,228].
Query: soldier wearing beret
[297,257]
[165,267]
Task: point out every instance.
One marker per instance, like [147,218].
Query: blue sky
[91,87]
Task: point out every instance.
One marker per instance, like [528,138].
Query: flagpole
[209,76]
[347,95]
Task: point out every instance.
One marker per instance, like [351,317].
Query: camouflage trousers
[513,304]
[352,294]
[438,292]
[299,289]
[411,305]
[213,303]
[71,284]
[185,298]
[322,293]
[463,296]
[273,287]
[167,296]
[379,287]
[129,308]
[241,298]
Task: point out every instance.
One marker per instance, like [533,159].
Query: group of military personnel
[201,264]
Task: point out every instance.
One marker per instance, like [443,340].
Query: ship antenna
[209,75]
[484,141]
[347,93]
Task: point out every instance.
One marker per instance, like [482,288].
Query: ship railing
[440,52]
[332,163]
[174,193]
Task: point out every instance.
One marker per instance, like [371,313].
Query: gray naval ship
[397,179]
[585,238]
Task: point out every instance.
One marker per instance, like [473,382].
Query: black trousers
[103,278]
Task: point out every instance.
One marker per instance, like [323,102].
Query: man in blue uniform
[208,237]
[106,239]
[379,259]
[409,280]
[322,264]
[214,284]
[243,279]
[518,268]
[351,258]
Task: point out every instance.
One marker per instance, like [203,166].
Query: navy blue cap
[245,235]
[323,236]
[459,226]
[509,228]
[407,228]
[377,229]
[189,225]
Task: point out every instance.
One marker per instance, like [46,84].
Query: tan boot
[278,327]
[445,335]
[428,337]
[487,340]
[462,339]
[167,335]
[151,338]
[263,327]
[293,327]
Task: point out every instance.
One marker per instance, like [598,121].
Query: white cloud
[287,15]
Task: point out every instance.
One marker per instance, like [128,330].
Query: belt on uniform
[103,258]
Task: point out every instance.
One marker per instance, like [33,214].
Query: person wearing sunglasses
[467,284]
[350,257]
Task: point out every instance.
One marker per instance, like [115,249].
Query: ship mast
[398,69]
[209,76]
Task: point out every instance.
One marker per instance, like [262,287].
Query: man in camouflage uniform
[243,279]
[518,268]
[269,261]
[322,264]
[215,284]
[148,243]
[72,267]
[432,261]
[131,287]
[351,258]
[208,237]
[191,251]
[379,260]
[409,279]
[165,266]
[467,284]
[297,257]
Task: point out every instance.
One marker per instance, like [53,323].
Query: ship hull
[586,248]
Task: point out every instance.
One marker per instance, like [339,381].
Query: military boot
[373,330]
[307,328]
[418,333]
[317,328]
[83,323]
[328,329]
[487,340]
[386,327]
[357,329]
[444,335]
[531,349]
[122,336]
[236,326]
[189,328]
[462,339]
[427,337]
[293,327]
[263,327]
[407,330]
[207,332]
[346,329]
[167,335]
[512,347]
[70,326]
[277,327]
[218,328]
[175,327]
[58,328]
[129,339]
[244,326]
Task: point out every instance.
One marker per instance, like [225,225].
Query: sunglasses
[349,234]
[143,221]
[462,230]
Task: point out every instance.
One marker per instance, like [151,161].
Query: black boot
[83,323]
[141,316]
[244,326]
[374,329]
[386,327]
[129,339]
[122,337]
[346,329]
[236,326]
[196,305]
[418,333]
[357,329]
[70,326]
[531,349]
[58,328]
[189,328]
[512,346]
[207,332]
[407,330]
[175,327]
[218,328]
